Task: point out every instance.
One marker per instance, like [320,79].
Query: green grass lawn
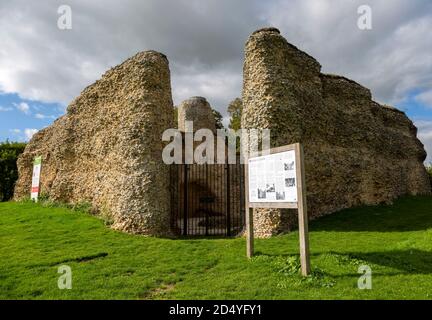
[395,241]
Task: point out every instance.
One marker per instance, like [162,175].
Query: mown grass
[395,241]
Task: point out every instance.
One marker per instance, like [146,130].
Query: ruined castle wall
[356,151]
[198,110]
[107,149]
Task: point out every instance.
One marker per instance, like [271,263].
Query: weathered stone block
[107,149]
[356,151]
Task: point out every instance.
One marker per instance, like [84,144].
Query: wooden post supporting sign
[277,180]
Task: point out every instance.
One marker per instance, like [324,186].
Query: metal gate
[207,199]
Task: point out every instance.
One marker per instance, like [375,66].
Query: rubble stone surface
[107,149]
[198,110]
[357,152]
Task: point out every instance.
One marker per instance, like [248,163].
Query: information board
[277,180]
[36,179]
[272,178]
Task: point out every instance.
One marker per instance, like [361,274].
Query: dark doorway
[207,199]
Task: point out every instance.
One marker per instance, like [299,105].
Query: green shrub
[9,152]
[429,170]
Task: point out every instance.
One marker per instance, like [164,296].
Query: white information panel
[36,178]
[272,178]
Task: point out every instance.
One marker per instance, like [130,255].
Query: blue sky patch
[20,117]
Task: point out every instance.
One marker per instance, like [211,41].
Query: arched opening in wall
[207,199]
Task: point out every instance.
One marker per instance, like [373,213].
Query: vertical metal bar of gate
[228,201]
[173,193]
[185,200]
[213,199]
[207,211]
[241,218]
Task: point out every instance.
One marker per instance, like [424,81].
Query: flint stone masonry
[198,110]
[356,151]
[107,149]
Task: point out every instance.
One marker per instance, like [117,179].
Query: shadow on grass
[406,214]
[408,261]
[402,261]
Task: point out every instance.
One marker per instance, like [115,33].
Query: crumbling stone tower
[107,149]
[198,110]
[356,151]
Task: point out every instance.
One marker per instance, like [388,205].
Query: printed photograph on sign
[289,166]
[290,182]
[272,178]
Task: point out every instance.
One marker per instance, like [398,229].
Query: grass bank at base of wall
[394,241]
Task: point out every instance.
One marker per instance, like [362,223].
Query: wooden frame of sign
[300,204]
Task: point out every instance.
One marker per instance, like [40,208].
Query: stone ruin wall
[198,110]
[107,149]
[357,152]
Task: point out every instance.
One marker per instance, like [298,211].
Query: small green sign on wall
[37,164]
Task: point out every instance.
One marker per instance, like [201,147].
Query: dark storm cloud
[204,42]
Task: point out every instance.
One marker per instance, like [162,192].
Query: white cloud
[41,62]
[391,59]
[204,41]
[425,135]
[43,116]
[425,98]
[16,131]
[226,121]
[29,133]
[5,109]
[217,86]
[23,107]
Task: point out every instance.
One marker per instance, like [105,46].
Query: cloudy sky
[42,68]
